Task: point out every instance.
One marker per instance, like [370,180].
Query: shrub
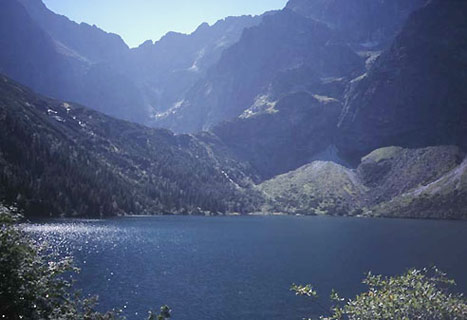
[32,283]
[418,294]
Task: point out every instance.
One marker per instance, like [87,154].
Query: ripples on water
[68,237]
[96,248]
[242,267]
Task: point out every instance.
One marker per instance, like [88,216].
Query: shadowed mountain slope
[414,95]
[29,54]
[284,44]
[58,158]
[90,66]
[86,42]
[282,136]
[167,69]
[64,60]
[366,24]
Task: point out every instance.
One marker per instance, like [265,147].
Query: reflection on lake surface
[242,267]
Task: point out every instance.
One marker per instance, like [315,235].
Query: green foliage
[32,283]
[317,188]
[382,154]
[9,215]
[164,314]
[307,290]
[427,182]
[63,159]
[418,294]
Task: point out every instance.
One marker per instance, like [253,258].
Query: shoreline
[255,214]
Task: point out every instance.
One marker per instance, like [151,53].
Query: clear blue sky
[140,20]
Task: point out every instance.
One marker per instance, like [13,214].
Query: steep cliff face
[62,59]
[363,23]
[281,136]
[414,95]
[87,42]
[167,69]
[283,42]
[85,64]
[316,46]
[29,54]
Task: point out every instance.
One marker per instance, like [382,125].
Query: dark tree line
[74,161]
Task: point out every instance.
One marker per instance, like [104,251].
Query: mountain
[95,68]
[320,187]
[54,56]
[391,182]
[58,158]
[62,159]
[284,45]
[282,136]
[414,95]
[193,82]
[88,43]
[312,45]
[443,198]
[167,69]
[296,63]
[365,24]
[28,53]
[325,107]
[392,171]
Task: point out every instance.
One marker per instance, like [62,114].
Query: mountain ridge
[59,158]
[414,95]
[62,159]
[102,72]
[302,118]
[284,41]
[392,182]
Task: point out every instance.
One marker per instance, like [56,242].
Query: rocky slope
[167,69]
[90,66]
[192,82]
[58,158]
[393,171]
[391,182]
[365,24]
[300,98]
[317,46]
[65,60]
[277,137]
[443,198]
[87,42]
[321,187]
[414,95]
[284,45]
[28,53]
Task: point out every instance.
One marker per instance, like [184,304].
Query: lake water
[242,267]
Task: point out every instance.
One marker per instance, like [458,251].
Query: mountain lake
[226,268]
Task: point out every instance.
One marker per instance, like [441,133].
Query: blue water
[242,267]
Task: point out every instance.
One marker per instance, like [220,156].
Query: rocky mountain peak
[414,95]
